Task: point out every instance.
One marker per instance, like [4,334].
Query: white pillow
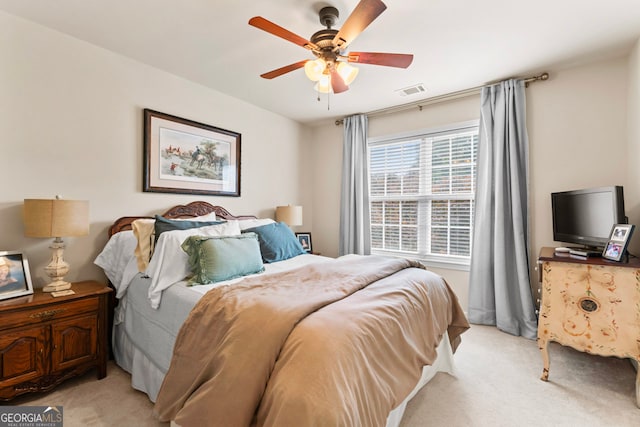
[170,264]
[115,256]
[250,223]
[144,230]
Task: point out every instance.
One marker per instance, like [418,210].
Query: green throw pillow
[217,258]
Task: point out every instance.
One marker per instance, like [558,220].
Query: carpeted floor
[497,383]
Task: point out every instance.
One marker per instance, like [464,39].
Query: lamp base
[57,268]
[57,286]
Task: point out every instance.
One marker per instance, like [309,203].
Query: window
[422,188]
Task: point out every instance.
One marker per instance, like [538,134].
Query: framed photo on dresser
[618,241]
[15,279]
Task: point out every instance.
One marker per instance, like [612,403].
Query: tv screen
[586,216]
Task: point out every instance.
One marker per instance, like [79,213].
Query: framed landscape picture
[183,156]
[15,279]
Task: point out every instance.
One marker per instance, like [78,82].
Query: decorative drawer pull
[46,314]
[589,305]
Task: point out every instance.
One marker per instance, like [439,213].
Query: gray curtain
[499,290]
[354,203]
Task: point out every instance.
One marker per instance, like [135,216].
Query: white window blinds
[422,189]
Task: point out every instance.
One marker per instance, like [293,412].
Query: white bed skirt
[443,363]
[147,377]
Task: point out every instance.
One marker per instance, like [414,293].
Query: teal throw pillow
[277,242]
[217,258]
[163,224]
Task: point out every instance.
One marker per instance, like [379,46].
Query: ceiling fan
[331,68]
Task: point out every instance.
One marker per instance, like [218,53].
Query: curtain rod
[441,98]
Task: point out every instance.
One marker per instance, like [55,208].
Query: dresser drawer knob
[589,305]
[47,314]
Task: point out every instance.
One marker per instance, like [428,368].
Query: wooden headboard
[191,210]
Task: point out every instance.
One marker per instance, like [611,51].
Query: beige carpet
[496,384]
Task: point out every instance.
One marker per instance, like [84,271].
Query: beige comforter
[338,343]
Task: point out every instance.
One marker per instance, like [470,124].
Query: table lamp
[56,218]
[290,215]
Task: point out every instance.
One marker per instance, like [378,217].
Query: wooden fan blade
[337,84]
[284,70]
[276,30]
[399,60]
[363,15]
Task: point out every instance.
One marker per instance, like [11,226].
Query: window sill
[448,263]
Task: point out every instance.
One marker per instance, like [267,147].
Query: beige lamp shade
[56,218]
[290,215]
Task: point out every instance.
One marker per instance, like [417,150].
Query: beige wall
[577,125]
[577,131]
[632,189]
[71,124]
[71,121]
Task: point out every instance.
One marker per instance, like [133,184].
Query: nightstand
[45,340]
[590,304]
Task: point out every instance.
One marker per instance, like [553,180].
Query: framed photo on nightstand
[15,279]
[305,241]
[618,241]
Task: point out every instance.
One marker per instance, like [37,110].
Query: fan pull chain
[328,100]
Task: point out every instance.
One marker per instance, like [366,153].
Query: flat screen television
[585,217]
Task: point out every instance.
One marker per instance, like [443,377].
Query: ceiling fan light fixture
[329,45]
[315,69]
[347,72]
[323,85]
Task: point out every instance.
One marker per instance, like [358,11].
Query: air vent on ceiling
[411,90]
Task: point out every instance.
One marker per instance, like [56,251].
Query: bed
[302,340]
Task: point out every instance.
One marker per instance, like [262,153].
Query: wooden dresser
[590,304]
[46,340]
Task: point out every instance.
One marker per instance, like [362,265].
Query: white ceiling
[457,44]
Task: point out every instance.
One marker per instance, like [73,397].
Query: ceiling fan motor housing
[324,38]
[329,16]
